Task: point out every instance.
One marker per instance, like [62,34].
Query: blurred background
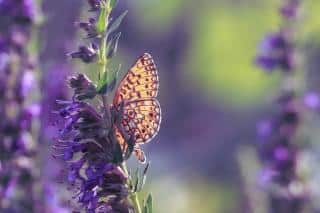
[211,93]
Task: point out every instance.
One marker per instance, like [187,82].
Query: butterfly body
[136,104]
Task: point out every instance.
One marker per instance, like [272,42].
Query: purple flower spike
[279,151]
[19,180]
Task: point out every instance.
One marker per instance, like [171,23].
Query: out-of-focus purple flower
[28,83]
[264,128]
[278,149]
[312,100]
[22,11]
[94,4]
[290,8]
[279,152]
[18,109]
[276,52]
[52,91]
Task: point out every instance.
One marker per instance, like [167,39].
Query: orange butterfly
[140,111]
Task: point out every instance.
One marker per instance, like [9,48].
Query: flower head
[94,4]
[290,9]
[20,11]
[276,52]
[87,54]
[89,27]
[279,153]
[83,87]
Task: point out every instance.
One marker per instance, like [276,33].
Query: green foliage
[108,81]
[148,205]
[221,58]
[115,25]
[108,48]
[193,193]
[112,46]
[156,17]
[310,22]
[102,21]
[138,179]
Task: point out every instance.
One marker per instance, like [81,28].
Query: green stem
[103,24]
[134,197]
[135,200]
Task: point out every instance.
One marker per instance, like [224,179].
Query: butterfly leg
[137,151]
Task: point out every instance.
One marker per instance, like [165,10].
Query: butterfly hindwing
[142,119]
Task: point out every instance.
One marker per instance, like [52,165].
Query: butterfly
[135,101]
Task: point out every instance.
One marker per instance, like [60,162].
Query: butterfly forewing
[140,82]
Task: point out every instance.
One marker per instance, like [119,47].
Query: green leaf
[144,177]
[113,46]
[115,25]
[136,181]
[102,82]
[108,81]
[145,209]
[148,205]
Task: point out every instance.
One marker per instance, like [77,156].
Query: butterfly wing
[141,112]
[141,119]
[140,82]
[137,151]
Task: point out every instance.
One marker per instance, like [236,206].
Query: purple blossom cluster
[279,153]
[277,148]
[93,155]
[18,110]
[290,9]
[87,140]
[277,50]
[19,11]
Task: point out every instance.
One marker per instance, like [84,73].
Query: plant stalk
[134,197]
